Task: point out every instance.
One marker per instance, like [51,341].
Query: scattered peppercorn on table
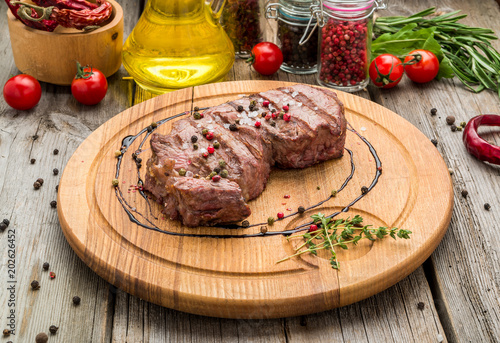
[452,297]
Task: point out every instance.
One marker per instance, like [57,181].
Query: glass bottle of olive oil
[178,44]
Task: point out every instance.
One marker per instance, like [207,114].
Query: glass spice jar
[345,42]
[293,18]
[241,20]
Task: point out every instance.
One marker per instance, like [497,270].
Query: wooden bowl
[51,56]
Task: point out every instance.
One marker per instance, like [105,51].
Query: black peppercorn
[196,108]
[433,111]
[237,121]
[138,159]
[6,222]
[6,332]
[40,180]
[53,329]
[263,229]
[240,108]
[35,285]
[55,171]
[453,128]
[76,300]
[32,161]
[194,138]
[434,141]
[487,206]
[233,127]
[46,266]
[420,305]
[273,123]
[154,124]
[57,188]
[41,338]
[450,120]
[55,151]
[217,170]
[465,193]
[301,209]
[149,128]
[53,204]
[273,110]
[2,227]
[195,146]
[251,107]
[245,223]
[364,190]
[37,185]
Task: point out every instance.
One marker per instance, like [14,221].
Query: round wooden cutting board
[239,277]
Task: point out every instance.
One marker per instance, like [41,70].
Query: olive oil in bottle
[178,44]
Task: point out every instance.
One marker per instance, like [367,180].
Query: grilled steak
[312,130]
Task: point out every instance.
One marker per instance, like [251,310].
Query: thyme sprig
[340,233]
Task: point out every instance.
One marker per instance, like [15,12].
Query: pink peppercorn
[313,228]
[274,115]
[268,116]
[286,117]
[280,215]
[286,196]
[257,124]
[285,108]
[211,149]
[216,178]
[265,103]
[205,154]
[209,135]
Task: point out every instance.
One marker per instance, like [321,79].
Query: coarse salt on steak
[314,133]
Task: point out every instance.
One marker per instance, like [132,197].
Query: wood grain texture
[50,56]
[238,278]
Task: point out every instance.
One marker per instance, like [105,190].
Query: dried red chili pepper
[476,145]
[83,19]
[39,24]
[68,4]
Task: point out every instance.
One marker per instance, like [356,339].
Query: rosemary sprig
[339,233]
[474,61]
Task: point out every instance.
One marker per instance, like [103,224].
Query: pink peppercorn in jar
[345,42]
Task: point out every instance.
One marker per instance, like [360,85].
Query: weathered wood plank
[465,266]
[59,122]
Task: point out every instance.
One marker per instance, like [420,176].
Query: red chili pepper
[18,9]
[476,145]
[82,19]
[67,4]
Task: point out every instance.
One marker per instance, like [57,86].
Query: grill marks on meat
[315,133]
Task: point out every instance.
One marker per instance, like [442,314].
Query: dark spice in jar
[241,20]
[344,52]
[294,55]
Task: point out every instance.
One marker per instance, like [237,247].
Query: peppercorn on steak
[211,164]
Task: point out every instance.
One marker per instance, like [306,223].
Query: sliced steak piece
[314,133]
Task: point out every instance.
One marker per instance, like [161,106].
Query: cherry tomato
[266,58]
[425,69]
[89,85]
[22,92]
[386,71]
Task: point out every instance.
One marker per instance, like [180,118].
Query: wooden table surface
[459,285]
